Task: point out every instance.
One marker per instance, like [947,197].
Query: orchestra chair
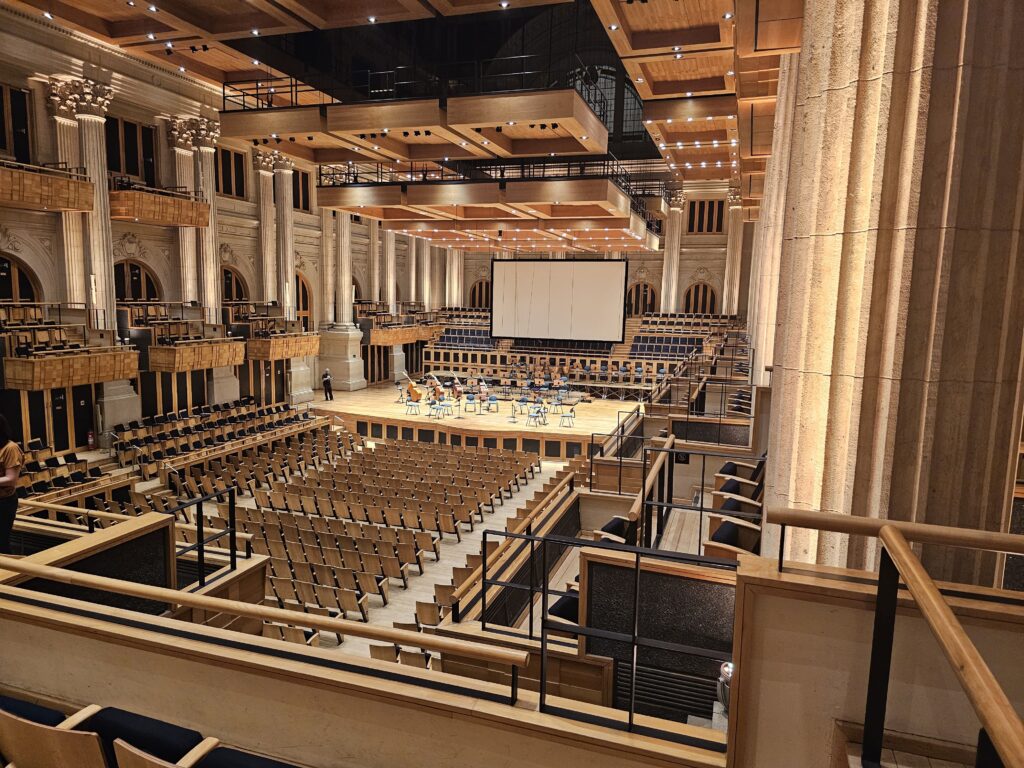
[492,403]
[446,407]
[568,418]
[471,402]
[533,419]
[412,408]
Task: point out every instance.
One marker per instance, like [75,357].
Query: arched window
[640,299]
[357,290]
[700,299]
[232,286]
[303,301]
[16,283]
[480,294]
[134,282]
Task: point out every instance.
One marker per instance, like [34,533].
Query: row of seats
[562,346]
[34,736]
[661,347]
[734,524]
[465,338]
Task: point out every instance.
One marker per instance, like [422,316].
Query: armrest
[725,551]
[79,717]
[734,520]
[602,536]
[197,752]
[718,497]
[721,479]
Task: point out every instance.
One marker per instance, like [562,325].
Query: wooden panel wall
[50,372]
[283,347]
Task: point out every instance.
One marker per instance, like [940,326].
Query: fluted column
[670,270]
[424,270]
[373,259]
[180,138]
[343,290]
[388,272]
[733,256]
[62,107]
[328,253]
[284,167]
[266,263]
[92,100]
[205,134]
[410,275]
[898,355]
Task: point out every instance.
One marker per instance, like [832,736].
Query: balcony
[162,207]
[69,368]
[50,187]
[196,355]
[283,346]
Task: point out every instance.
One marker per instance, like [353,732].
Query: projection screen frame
[625,291]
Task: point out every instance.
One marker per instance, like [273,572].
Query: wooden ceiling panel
[457,7]
[768,27]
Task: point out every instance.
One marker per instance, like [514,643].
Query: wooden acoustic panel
[68,370]
[161,210]
[32,191]
[283,347]
[407,334]
[197,355]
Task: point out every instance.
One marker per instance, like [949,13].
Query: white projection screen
[574,300]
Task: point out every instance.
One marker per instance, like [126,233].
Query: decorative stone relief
[9,241]
[129,246]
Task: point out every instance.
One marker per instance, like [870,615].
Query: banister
[73,510]
[280,615]
[990,702]
[924,533]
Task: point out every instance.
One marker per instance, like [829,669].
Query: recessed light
[181,69]
[486,142]
[639,79]
[150,36]
[613,27]
[511,122]
[648,121]
[677,47]
[168,45]
[584,138]
[255,62]
[503,3]
[372,19]
[689,94]
[462,143]
[131,3]
[727,15]
[552,155]
[669,121]
[152,9]
[273,135]
[375,147]
[47,15]
[255,32]
[679,55]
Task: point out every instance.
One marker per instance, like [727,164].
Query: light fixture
[511,122]
[152,9]
[648,121]
[372,19]
[613,27]
[730,73]
[584,138]
[273,135]
[150,36]
[181,69]
[168,44]
[552,154]
[255,32]
[486,142]
[503,3]
[689,94]
[677,47]
[48,15]
[255,62]
[131,3]
[679,55]
[727,15]
[639,79]
[669,121]
[462,143]
[689,119]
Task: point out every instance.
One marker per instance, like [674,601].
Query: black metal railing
[74,172]
[128,184]
[203,540]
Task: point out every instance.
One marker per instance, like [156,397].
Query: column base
[223,386]
[300,388]
[396,358]
[339,351]
[118,403]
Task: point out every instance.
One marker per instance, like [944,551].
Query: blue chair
[471,402]
[492,403]
[568,419]
[411,408]
[534,416]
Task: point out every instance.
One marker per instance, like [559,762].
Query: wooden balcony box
[158,208]
[35,188]
[283,347]
[196,355]
[403,334]
[68,369]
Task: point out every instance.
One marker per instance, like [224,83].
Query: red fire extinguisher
[92,440]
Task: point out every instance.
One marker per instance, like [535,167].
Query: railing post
[483,583]
[881,661]
[635,648]
[201,550]
[232,538]
[543,684]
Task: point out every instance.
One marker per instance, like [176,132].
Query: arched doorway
[134,282]
[303,301]
[641,298]
[17,284]
[233,288]
[700,299]
[480,294]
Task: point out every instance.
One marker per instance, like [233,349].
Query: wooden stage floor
[378,401]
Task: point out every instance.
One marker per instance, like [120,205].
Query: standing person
[328,387]
[11,460]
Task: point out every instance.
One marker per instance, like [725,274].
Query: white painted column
[670,269]
[204,137]
[733,255]
[92,100]
[388,276]
[62,106]
[180,139]
[266,261]
[343,287]
[424,272]
[284,167]
[328,253]
[373,259]
[412,256]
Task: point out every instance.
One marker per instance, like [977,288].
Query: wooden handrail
[924,533]
[221,605]
[73,510]
[990,702]
[652,477]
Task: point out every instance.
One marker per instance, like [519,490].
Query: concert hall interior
[511,383]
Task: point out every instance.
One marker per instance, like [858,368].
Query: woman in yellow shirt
[11,461]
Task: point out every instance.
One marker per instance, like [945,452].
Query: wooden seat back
[31,745]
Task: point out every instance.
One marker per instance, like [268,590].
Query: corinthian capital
[735,198]
[205,133]
[180,133]
[283,162]
[263,160]
[92,98]
[63,99]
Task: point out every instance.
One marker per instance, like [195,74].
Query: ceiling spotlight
[584,138]
[689,119]
[47,15]
[255,32]
[131,3]
[730,73]
[679,55]
[613,27]
[152,9]
[181,69]
[255,62]
[669,121]
[503,3]
[511,122]
[486,142]
[168,45]
[639,79]
[552,155]
[648,121]
[462,143]
[677,47]
[727,15]
[689,94]
[150,36]
[372,19]
[273,135]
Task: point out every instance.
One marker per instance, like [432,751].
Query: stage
[374,413]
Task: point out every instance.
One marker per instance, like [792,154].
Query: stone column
[63,105]
[204,142]
[424,271]
[613,255]
[412,255]
[898,354]
[92,100]
[180,138]
[373,259]
[767,250]
[263,166]
[118,402]
[439,277]
[390,299]
[733,256]
[460,277]
[284,167]
[339,345]
[328,249]
[450,276]
[670,269]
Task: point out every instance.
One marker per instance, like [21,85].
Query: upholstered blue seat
[155,737]
[225,757]
[26,710]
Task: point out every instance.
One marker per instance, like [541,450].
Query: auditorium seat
[35,713]
[226,757]
[155,737]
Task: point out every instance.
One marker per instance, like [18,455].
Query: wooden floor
[598,416]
